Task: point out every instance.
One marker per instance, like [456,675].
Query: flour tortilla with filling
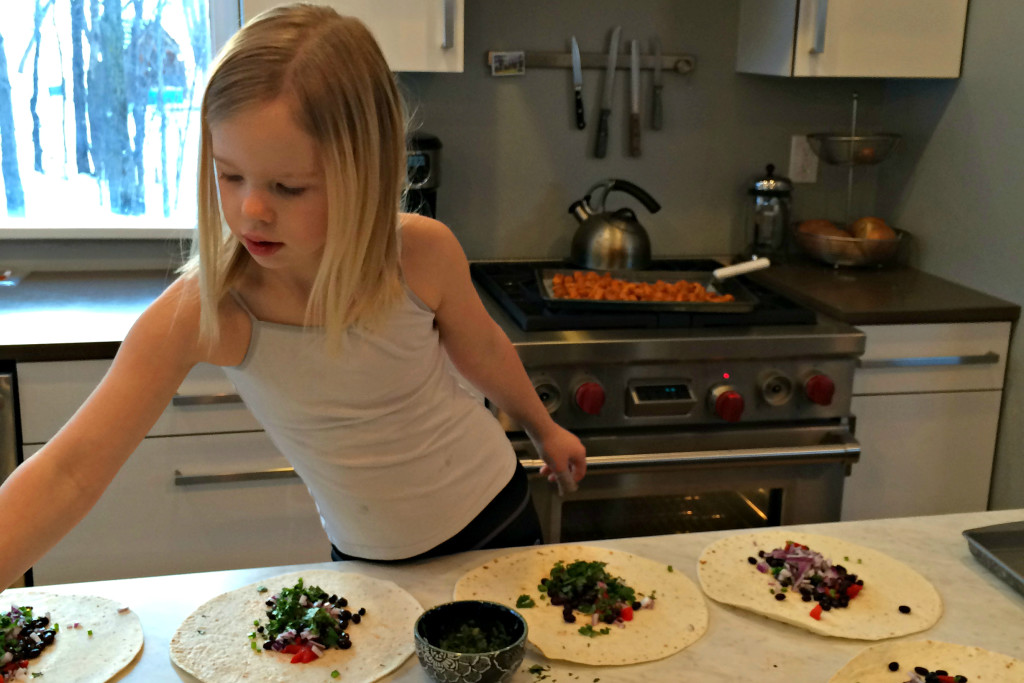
[728,577]
[213,642]
[679,617]
[978,665]
[75,655]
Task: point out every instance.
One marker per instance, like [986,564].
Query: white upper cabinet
[852,38]
[415,35]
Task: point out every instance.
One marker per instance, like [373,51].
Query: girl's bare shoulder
[176,314]
[431,255]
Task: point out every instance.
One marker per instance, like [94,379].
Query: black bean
[780,596]
[362,611]
[636,605]
[356,618]
[840,568]
[760,553]
[345,614]
[826,607]
[941,672]
[333,599]
[269,645]
[904,609]
[569,617]
[920,670]
[342,602]
[270,603]
[806,597]
[751,560]
[894,666]
[344,644]
[261,629]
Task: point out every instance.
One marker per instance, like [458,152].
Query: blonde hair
[345,97]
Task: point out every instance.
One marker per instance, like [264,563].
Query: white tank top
[397,455]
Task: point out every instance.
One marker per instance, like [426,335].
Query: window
[99,114]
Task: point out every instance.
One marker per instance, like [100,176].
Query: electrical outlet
[803,162]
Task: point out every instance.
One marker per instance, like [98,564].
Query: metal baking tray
[1000,548]
[744,298]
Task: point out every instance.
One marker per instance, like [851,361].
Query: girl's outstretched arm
[437,271]
[54,489]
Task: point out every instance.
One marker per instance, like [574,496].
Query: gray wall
[513,160]
[959,190]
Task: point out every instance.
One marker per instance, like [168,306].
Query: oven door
[654,482]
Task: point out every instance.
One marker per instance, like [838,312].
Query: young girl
[331,312]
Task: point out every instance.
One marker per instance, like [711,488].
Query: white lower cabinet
[204,491]
[927,401]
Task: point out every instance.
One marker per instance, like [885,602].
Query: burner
[514,286]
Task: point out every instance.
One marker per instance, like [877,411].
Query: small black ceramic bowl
[495,633]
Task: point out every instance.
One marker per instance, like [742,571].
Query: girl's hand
[561,451]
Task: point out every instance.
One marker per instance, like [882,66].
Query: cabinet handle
[232,477]
[990,358]
[820,20]
[204,399]
[448,37]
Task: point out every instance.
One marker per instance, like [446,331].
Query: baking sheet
[1000,548]
[744,298]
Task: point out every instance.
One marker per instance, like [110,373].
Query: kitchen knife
[634,99]
[577,83]
[656,95]
[606,100]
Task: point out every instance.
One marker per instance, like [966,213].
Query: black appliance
[423,171]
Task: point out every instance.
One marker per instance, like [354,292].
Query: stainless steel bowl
[853,150]
[850,251]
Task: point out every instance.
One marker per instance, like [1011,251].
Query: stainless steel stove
[691,420]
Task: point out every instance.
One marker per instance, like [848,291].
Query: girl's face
[272,187]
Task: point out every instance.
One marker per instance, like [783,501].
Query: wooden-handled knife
[601,147]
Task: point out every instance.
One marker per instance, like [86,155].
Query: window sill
[96,234]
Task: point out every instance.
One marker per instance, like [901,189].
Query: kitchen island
[979,609]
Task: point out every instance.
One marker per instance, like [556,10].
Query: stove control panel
[712,392]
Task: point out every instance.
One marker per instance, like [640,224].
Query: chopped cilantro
[261,589]
[670,568]
[335,673]
[588,630]
[525,601]
[470,638]
[576,585]
[89,632]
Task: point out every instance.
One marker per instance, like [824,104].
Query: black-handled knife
[656,92]
[577,84]
[601,147]
[634,99]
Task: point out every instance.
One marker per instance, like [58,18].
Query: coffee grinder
[767,217]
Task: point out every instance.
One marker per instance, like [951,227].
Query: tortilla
[727,576]
[978,665]
[213,642]
[678,619]
[75,654]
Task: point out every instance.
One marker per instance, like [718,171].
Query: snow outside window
[99,115]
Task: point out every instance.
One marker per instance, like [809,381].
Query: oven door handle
[847,449]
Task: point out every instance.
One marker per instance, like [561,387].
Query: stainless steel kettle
[611,240]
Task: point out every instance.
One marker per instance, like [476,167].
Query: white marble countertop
[979,610]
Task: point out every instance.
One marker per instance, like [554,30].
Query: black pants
[509,520]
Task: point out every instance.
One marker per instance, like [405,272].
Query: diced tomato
[945,679]
[816,612]
[626,614]
[852,591]
[304,655]
[291,648]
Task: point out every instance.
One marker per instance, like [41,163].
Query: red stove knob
[727,404]
[590,397]
[820,389]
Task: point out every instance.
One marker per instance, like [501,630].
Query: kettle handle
[624,186]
